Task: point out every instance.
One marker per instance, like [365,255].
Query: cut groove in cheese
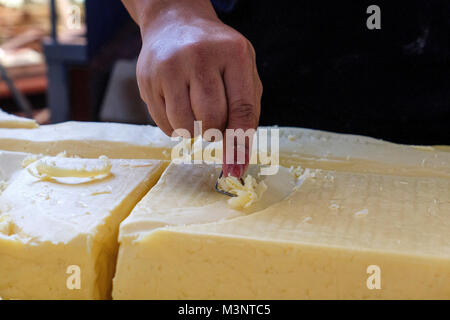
[303,247]
[49,226]
[11,121]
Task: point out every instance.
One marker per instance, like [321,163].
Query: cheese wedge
[61,231]
[90,140]
[319,242]
[11,121]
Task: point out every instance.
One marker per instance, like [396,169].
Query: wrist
[153,14]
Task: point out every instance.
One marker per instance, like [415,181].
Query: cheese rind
[49,226]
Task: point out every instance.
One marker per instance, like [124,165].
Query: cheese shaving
[246,194]
[68,167]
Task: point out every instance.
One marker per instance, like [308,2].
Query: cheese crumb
[246,194]
[297,171]
[29,160]
[6,225]
[3,185]
[362,213]
[62,154]
[334,206]
[291,137]
[307,220]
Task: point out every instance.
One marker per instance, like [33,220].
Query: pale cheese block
[318,243]
[11,121]
[90,140]
[53,227]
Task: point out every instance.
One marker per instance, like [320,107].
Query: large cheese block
[12,121]
[325,240]
[59,219]
[90,140]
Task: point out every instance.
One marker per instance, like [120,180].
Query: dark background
[322,68]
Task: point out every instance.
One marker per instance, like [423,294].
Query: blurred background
[62,70]
[321,67]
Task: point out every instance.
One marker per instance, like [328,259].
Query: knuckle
[245,113]
[241,48]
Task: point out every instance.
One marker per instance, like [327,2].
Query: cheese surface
[315,244]
[184,195]
[345,152]
[49,226]
[90,140]
[11,121]
[318,149]
[340,205]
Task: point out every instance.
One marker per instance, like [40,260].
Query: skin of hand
[194,67]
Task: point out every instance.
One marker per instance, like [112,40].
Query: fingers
[178,106]
[156,106]
[243,90]
[208,100]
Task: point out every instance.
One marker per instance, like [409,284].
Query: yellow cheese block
[60,231]
[12,121]
[339,235]
[90,140]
